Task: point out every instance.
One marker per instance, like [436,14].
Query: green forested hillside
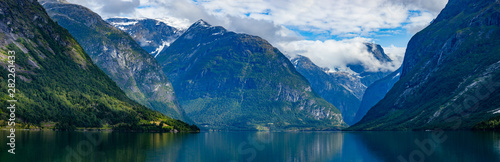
[56,82]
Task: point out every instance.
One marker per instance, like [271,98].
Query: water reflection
[423,146]
[251,146]
[85,146]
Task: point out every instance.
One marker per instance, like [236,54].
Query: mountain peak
[201,23]
[203,29]
[378,52]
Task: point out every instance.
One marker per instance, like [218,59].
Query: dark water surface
[252,146]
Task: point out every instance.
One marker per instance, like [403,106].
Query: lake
[253,146]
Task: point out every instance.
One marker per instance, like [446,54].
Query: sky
[330,32]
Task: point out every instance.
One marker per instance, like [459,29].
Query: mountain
[368,77]
[135,71]
[329,87]
[356,78]
[450,74]
[376,92]
[226,80]
[56,83]
[154,36]
[342,88]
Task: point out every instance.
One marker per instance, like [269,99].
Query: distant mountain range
[343,88]
[450,74]
[135,71]
[376,92]
[226,80]
[57,84]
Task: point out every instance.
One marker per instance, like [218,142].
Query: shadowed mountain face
[376,92]
[56,81]
[226,80]
[135,71]
[154,36]
[450,75]
[343,89]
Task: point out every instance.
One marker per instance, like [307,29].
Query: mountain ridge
[225,79]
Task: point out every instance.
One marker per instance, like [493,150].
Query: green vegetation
[491,124]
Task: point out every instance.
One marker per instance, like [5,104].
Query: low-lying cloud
[338,54]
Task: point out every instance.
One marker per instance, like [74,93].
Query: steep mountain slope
[450,76]
[342,88]
[376,92]
[136,72]
[226,80]
[56,81]
[154,36]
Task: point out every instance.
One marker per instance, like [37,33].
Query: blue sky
[297,27]
[385,37]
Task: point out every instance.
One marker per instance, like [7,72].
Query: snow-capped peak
[202,23]
[159,49]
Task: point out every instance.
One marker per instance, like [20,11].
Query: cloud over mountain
[309,25]
[338,54]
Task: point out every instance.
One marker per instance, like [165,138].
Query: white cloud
[339,17]
[434,6]
[397,54]
[419,21]
[349,21]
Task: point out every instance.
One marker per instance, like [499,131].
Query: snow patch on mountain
[124,23]
[218,33]
[496,111]
[159,49]
[397,75]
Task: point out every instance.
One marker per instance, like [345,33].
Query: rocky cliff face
[135,71]
[342,88]
[450,74]
[55,80]
[226,80]
[154,36]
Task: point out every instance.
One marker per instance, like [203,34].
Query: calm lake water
[253,146]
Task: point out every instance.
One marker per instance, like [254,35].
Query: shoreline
[97,130]
[204,131]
